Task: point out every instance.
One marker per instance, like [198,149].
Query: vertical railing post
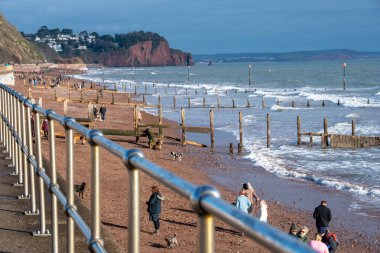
[42,231]
[12,139]
[33,209]
[1,120]
[24,156]
[9,139]
[212,136]
[53,177]
[95,191]
[70,187]
[206,233]
[18,145]
[134,204]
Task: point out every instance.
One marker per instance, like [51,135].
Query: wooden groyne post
[268,130]
[240,149]
[183,125]
[353,127]
[263,103]
[160,120]
[325,136]
[298,130]
[212,135]
[231,149]
[188,103]
[174,102]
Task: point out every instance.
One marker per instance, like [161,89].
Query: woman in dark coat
[154,208]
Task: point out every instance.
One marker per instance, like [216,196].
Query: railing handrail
[205,200]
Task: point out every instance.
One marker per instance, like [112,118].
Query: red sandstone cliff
[143,54]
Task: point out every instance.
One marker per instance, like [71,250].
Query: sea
[285,88]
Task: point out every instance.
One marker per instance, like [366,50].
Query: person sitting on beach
[330,240]
[318,245]
[251,194]
[242,202]
[302,234]
[293,230]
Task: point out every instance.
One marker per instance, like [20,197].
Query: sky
[214,26]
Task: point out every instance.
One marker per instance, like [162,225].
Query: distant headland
[333,54]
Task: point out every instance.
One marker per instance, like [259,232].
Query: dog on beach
[159,143]
[176,156]
[80,188]
[263,211]
[172,241]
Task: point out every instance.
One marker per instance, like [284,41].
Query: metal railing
[16,134]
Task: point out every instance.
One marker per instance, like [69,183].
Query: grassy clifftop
[13,47]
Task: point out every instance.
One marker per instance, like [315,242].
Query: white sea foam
[353,115]
[278,108]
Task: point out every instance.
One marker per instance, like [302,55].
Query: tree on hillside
[43,31]
[95,34]
[54,32]
[107,38]
[66,31]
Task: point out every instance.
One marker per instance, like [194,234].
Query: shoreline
[279,214]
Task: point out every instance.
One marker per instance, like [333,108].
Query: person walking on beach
[95,112]
[102,111]
[45,128]
[154,208]
[318,245]
[322,216]
[251,194]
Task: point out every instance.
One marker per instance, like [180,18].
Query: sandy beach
[200,166]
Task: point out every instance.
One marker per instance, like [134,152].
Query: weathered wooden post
[129,98]
[344,75]
[212,129]
[175,88]
[241,131]
[311,139]
[125,88]
[263,103]
[218,102]
[112,99]
[183,126]
[308,103]
[293,103]
[325,133]
[65,107]
[114,87]
[268,130]
[135,123]
[368,101]
[81,96]
[90,110]
[248,105]
[278,102]
[159,100]
[323,102]
[298,130]
[188,103]
[233,103]
[353,127]
[145,88]
[144,100]
[186,90]
[204,102]
[231,148]
[249,74]
[135,89]
[196,92]
[174,102]
[240,149]
[160,120]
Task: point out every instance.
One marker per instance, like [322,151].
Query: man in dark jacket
[322,216]
[102,111]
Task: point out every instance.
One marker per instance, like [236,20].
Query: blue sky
[214,26]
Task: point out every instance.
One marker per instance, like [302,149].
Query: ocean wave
[278,166]
[278,108]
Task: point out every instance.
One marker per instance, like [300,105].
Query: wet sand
[200,166]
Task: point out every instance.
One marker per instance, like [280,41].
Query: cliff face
[13,47]
[141,54]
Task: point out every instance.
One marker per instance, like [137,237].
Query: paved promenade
[16,228]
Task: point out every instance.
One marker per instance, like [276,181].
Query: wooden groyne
[338,140]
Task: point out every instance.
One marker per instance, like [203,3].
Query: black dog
[80,188]
[176,156]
